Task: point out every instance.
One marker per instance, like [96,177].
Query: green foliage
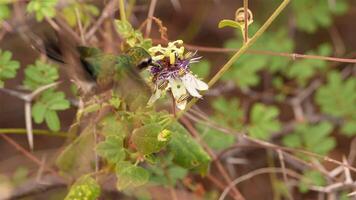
[202,68]
[130,176]
[263,121]
[312,137]
[310,15]
[112,149]
[8,67]
[165,172]
[112,125]
[215,139]
[46,107]
[187,152]
[226,113]
[40,74]
[4,11]
[85,11]
[338,98]
[245,71]
[42,8]
[303,70]
[311,178]
[150,138]
[76,159]
[84,188]
[230,23]
[132,37]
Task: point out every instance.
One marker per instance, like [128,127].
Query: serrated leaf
[77,158]
[84,188]
[311,178]
[187,152]
[317,13]
[8,67]
[147,138]
[263,122]
[130,176]
[337,97]
[46,106]
[312,137]
[114,126]
[40,74]
[132,37]
[303,70]
[244,71]
[349,128]
[52,120]
[112,149]
[42,8]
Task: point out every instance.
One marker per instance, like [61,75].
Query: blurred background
[295,88]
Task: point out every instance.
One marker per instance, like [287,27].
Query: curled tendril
[240,16]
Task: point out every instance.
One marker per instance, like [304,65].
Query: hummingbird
[94,70]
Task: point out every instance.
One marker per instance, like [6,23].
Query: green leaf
[112,149]
[42,8]
[133,37]
[150,138]
[8,67]
[77,158]
[40,74]
[202,68]
[263,122]
[4,12]
[302,70]
[312,137]
[338,98]
[46,106]
[84,188]
[311,178]
[86,13]
[349,128]
[52,120]
[130,176]
[38,112]
[244,72]
[114,126]
[316,13]
[215,139]
[186,151]
[229,23]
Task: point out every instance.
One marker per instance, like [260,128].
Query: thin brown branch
[292,56]
[107,11]
[255,173]
[149,17]
[27,154]
[237,195]
[246,20]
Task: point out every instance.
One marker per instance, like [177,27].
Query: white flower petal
[200,85]
[177,88]
[189,84]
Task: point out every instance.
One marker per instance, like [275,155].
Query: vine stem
[122,10]
[240,52]
[36,132]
